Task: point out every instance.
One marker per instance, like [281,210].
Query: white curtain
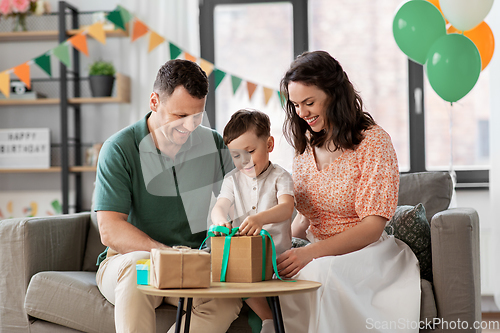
[175,20]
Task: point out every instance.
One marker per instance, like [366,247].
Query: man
[151,177]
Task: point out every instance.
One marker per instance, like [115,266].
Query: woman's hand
[292,261]
[251,226]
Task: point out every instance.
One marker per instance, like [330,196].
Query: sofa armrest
[31,245]
[456,267]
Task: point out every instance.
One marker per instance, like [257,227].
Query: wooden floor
[491,320]
[490,316]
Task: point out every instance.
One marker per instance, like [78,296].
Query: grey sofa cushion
[94,246]
[70,299]
[432,189]
[428,310]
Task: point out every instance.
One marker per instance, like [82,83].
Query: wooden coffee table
[270,288]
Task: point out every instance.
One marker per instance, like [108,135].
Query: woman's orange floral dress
[357,184]
[362,291]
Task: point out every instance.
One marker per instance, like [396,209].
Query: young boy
[260,192]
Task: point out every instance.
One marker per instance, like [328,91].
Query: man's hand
[251,226]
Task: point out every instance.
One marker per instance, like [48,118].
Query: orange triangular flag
[154,40]
[188,56]
[207,66]
[139,30]
[268,93]
[96,30]
[79,42]
[5,83]
[23,73]
[251,89]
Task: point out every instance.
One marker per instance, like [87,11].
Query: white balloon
[465,14]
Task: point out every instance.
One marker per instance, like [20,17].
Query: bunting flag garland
[116,18]
[96,30]
[5,83]
[281,98]
[268,93]
[43,62]
[139,30]
[251,89]
[62,53]
[154,41]
[207,66]
[120,17]
[79,42]
[174,51]
[23,73]
[189,57]
[236,81]
[125,14]
[219,75]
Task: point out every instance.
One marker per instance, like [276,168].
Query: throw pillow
[299,242]
[410,225]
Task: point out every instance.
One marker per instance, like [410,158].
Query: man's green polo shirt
[167,199]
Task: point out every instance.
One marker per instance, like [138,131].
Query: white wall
[493,254]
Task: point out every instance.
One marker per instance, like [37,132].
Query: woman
[346,180]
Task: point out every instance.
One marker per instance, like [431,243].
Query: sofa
[47,274]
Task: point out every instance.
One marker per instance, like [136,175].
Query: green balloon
[416,26]
[453,66]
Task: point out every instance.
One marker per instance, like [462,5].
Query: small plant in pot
[101,77]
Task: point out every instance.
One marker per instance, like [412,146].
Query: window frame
[207,36]
[466,179]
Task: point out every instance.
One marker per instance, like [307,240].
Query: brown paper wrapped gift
[245,259]
[180,267]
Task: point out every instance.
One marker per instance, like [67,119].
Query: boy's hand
[224,224]
[251,226]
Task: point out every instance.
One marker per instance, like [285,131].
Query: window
[254,41]
[359,35]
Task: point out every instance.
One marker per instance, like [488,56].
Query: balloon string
[452,170]
[451,137]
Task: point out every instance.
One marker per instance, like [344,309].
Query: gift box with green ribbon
[241,258]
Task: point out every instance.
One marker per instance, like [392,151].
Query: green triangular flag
[62,53]
[116,17]
[43,62]
[219,75]
[174,51]
[236,81]
[282,99]
[126,16]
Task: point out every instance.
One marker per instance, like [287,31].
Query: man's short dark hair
[244,120]
[180,72]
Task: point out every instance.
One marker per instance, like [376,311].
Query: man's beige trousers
[135,311]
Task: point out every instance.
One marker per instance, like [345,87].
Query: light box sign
[24,148]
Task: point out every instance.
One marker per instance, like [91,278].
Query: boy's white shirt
[253,195]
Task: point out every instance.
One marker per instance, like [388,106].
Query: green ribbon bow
[229,233]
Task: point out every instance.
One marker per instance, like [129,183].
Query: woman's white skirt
[375,289]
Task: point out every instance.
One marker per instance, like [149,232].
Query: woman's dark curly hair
[345,119]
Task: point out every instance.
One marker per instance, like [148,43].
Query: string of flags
[120,17]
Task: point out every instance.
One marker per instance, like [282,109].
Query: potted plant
[101,77]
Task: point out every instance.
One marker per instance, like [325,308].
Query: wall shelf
[26,36]
[51,170]
[69,107]
[122,96]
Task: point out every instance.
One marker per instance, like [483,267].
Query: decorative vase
[101,85]
[20,22]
